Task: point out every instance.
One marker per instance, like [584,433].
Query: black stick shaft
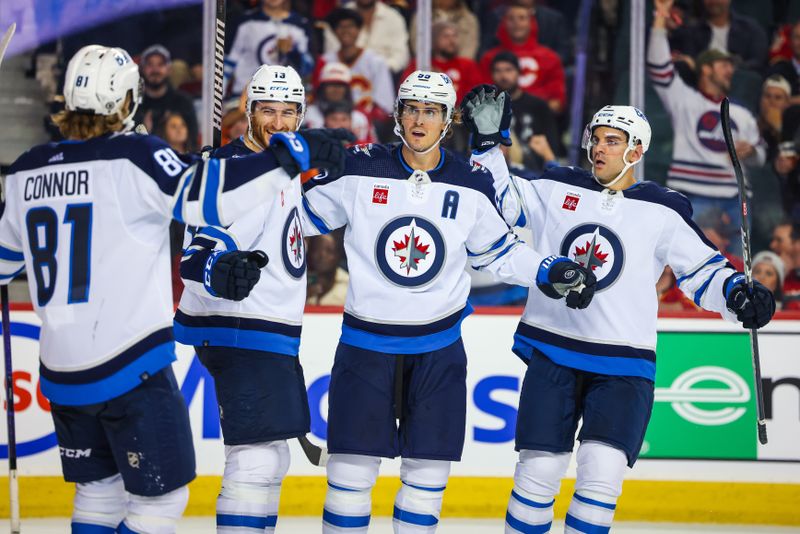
[219,57]
[12,437]
[737,167]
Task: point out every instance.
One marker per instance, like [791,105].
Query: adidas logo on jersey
[57,157]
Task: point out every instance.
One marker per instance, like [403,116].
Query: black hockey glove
[232,275]
[753,309]
[312,149]
[560,277]
[487,113]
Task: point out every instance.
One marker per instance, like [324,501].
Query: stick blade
[316,455]
[762,432]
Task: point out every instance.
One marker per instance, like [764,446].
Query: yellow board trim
[483,497]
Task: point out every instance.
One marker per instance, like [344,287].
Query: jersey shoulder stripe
[140,150]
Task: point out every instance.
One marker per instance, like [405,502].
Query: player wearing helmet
[416,216]
[249,340]
[597,367]
[88,219]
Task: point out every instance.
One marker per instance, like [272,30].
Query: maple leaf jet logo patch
[598,248]
[410,251]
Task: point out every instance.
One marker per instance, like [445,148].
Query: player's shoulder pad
[458,170]
[659,194]
[574,176]
[36,157]
[235,149]
[375,160]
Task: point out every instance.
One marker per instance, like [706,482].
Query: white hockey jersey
[256,44]
[700,162]
[407,245]
[270,318]
[89,222]
[626,238]
[371,83]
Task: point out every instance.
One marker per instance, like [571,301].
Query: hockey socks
[251,487]
[601,469]
[99,506]
[419,500]
[537,480]
[348,502]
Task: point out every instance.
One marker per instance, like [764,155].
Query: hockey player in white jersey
[598,366]
[88,220]
[249,340]
[415,216]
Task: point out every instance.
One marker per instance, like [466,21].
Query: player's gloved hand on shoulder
[316,148]
[232,275]
[753,309]
[487,113]
[560,277]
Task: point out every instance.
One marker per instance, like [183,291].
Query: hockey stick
[6,39]
[737,167]
[13,482]
[219,58]
[316,455]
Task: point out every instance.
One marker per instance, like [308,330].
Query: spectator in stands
[463,71]
[775,95]
[333,91]
[541,72]
[234,121]
[791,285]
[723,29]
[327,281]
[160,98]
[371,81]
[789,68]
[534,124]
[701,167]
[268,35]
[551,27]
[717,227]
[456,12]
[768,269]
[670,296]
[781,243]
[174,131]
[382,30]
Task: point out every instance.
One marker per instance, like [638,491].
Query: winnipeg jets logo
[598,248]
[709,131]
[590,255]
[410,251]
[293,251]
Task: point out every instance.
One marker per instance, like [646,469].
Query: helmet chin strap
[127,123]
[619,176]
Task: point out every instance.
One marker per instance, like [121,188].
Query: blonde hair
[80,126]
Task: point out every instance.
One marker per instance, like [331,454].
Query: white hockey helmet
[426,86]
[99,79]
[626,118]
[276,83]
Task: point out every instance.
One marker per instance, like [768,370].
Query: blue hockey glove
[232,275]
[753,309]
[560,277]
[312,149]
[486,111]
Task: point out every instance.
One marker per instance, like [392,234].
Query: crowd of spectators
[353,54]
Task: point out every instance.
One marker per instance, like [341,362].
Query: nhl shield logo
[410,251]
[598,248]
[293,252]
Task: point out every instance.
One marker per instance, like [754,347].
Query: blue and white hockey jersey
[408,243]
[89,222]
[269,319]
[626,238]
